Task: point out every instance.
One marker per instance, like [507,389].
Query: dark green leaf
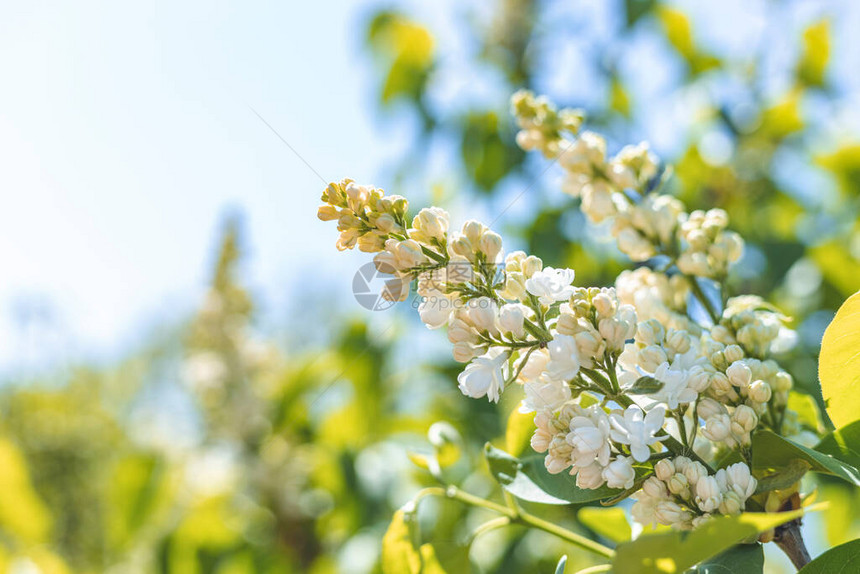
[783,479]
[844,559]
[773,451]
[843,444]
[645,386]
[740,559]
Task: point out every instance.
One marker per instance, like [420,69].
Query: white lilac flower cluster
[682,494]
[644,223]
[598,447]
[628,389]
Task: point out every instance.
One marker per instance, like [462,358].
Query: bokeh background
[188,383]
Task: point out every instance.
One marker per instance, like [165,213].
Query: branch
[790,540]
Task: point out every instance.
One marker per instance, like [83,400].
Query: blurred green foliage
[292,462]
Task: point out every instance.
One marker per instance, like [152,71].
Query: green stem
[489,525]
[517,516]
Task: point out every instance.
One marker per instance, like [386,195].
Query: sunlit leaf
[843,444]
[619,99]
[784,117]
[812,67]
[611,523]
[399,554]
[676,551]
[807,411]
[842,559]
[837,265]
[518,433]
[22,512]
[839,364]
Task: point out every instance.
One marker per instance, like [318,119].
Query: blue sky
[126,133]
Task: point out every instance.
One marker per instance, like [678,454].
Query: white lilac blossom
[544,395]
[638,430]
[483,376]
[589,437]
[563,362]
[619,473]
[551,285]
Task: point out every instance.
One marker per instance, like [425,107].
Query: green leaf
[645,386]
[843,559]
[740,559]
[812,67]
[529,480]
[773,451]
[843,444]
[839,364]
[399,555]
[398,552]
[807,411]
[519,431]
[788,476]
[611,523]
[678,551]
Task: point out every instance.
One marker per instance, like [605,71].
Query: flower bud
[619,473]
[461,246]
[604,305]
[655,488]
[745,419]
[681,463]
[464,352]
[694,471]
[432,222]
[490,245]
[698,378]
[328,212]
[590,345]
[664,469]
[482,312]
[589,477]
[531,265]
[650,332]
[760,391]
[733,353]
[511,319]
[782,382]
[514,261]
[739,374]
[515,286]
[731,504]
[708,408]
[717,428]
[740,481]
[678,341]
[473,230]
[708,494]
[720,384]
[669,512]
[651,357]
[678,484]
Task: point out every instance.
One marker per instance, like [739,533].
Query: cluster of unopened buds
[629,388]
